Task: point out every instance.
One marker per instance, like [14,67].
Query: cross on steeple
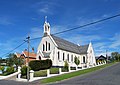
[45,18]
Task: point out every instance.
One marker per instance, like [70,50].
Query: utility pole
[106,56]
[28,41]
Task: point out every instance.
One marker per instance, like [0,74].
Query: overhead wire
[85,25]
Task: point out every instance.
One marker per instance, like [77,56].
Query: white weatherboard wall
[54,49]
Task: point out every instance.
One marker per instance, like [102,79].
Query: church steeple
[46,27]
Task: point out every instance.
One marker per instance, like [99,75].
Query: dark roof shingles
[68,46]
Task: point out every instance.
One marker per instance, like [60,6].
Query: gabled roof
[18,55]
[31,54]
[102,57]
[68,46]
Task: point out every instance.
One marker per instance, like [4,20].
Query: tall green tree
[115,55]
[13,60]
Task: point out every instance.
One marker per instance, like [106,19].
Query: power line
[88,24]
[14,49]
[85,25]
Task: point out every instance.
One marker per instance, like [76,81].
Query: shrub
[24,70]
[65,68]
[77,61]
[37,65]
[2,68]
[9,70]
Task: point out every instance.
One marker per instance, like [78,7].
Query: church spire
[46,27]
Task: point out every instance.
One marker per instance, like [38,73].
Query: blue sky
[18,18]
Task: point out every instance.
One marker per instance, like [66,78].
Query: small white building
[60,50]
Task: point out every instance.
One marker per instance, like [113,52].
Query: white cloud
[5,21]
[115,41]
[45,7]
[36,32]
[11,44]
[83,39]
[57,28]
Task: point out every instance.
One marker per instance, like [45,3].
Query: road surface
[107,76]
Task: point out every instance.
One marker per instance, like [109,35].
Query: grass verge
[40,73]
[73,74]
[54,70]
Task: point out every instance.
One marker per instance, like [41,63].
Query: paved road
[107,76]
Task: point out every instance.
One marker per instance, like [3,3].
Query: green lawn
[54,70]
[73,74]
[40,73]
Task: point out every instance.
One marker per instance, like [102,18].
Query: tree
[115,56]
[2,69]
[14,60]
[77,61]
[10,59]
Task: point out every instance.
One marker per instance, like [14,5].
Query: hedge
[37,65]
[9,70]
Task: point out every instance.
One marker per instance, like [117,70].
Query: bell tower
[46,27]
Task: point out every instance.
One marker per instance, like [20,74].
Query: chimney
[25,50]
[33,49]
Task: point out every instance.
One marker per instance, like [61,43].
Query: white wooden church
[60,50]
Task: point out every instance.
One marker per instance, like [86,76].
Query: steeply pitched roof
[18,55]
[68,46]
[31,54]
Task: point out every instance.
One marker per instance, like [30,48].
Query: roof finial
[45,18]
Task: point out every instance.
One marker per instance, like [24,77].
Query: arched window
[71,58]
[39,57]
[63,56]
[68,57]
[46,45]
[43,47]
[58,55]
[49,46]
[45,28]
[83,59]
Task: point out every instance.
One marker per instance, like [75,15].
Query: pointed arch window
[83,59]
[43,47]
[46,45]
[49,46]
[68,57]
[58,55]
[71,58]
[63,56]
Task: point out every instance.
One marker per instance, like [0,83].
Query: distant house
[60,50]
[24,55]
[101,58]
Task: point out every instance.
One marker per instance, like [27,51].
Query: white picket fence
[32,78]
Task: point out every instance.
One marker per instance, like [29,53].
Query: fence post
[19,69]
[76,67]
[48,72]
[60,70]
[31,74]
